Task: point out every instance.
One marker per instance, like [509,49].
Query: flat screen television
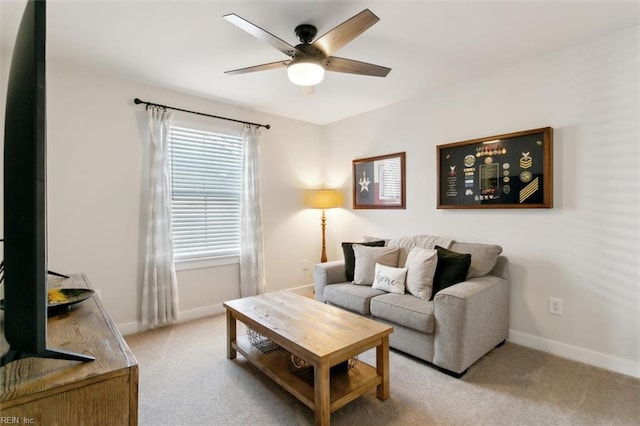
[25,245]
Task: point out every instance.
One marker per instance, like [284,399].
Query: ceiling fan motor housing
[306,33]
[309,51]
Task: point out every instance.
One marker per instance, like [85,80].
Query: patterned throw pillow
[389,279]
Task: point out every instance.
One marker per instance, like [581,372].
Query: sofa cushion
[389,279]
[366,259]
[406,310]
[425,241]
[349,256]
[369,238]
[452,268]
[483,257]
[356,298]
[421,268]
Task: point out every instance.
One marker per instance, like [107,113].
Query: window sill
[182,265]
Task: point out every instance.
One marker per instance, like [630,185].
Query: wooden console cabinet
[57,392]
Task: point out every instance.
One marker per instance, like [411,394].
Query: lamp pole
[323,225]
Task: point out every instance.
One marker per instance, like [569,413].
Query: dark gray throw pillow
[350,257]
[451,269]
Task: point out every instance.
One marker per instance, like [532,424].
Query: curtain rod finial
[137,101]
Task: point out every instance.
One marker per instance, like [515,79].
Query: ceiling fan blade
[263,67]
[350,66]
[345,32]
[261,34]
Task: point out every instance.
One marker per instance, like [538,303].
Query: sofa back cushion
[483,257]
[406,243]
[366,259]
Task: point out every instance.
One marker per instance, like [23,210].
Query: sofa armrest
[327,273]
[472,317]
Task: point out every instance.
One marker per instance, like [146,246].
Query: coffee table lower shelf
[345,386]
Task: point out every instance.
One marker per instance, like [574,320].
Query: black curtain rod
[139,101]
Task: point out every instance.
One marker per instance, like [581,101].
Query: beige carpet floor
[185,379]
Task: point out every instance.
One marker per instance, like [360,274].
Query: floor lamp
[323,199]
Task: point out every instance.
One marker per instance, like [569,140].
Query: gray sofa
[463,321]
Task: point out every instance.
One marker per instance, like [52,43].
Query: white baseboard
[129,328]
[206,311]
[302,287]
[191,314]
[575,353]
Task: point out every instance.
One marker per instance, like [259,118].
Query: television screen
[25,266]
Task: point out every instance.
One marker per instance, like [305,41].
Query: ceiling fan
[309,59]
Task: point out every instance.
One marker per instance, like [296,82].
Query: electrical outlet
[305,265]
[555,306]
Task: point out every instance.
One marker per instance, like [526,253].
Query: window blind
[206,185]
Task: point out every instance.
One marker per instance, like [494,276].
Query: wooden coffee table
[319,334]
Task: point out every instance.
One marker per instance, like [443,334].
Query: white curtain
[252,275]
[160,286]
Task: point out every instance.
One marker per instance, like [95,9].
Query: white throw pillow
[366,259]
[389,279]
[421,267]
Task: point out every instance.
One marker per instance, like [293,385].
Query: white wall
[586,249]
[95,156]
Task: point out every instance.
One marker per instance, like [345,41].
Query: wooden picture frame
[514,170]
[379,182]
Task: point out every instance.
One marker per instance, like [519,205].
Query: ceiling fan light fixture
[305,72]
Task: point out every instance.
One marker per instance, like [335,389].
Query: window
[206,185]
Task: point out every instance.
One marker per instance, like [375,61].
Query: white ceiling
[187,46]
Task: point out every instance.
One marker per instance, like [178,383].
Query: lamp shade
[323,198]
[305,72]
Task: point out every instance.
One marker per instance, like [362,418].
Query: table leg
[231,335]
[382,365]
[322,394]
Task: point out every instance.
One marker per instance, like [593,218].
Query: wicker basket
[304,370]
[263,343]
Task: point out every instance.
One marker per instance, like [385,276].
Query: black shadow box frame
[514,170]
